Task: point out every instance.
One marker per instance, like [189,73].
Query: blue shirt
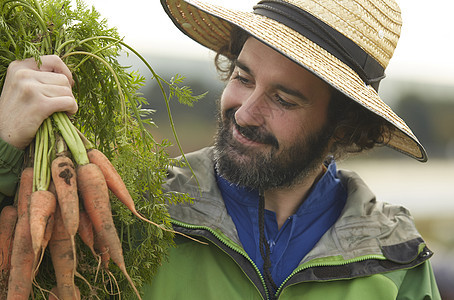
[300,232]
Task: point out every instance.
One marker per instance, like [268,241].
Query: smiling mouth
[253,136]
[242,138]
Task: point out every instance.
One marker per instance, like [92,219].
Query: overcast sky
[424,52]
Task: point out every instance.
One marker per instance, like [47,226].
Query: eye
[241,79]
[283,102]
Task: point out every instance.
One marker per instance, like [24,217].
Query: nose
[253,110]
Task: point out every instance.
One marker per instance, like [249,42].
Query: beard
[272,166]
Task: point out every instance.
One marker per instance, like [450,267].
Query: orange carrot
[48,231]
[64,179]
[25,191]
[8,219]
[22,256]
[86,231]
[63,259]
[94,192]
[42,207]
[53,295]
[50,221]
[118,187]
[52,188]
[103,251]
[113,179]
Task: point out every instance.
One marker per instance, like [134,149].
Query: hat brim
[210,25]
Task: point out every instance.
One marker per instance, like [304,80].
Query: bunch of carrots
[48,212]
[63,221]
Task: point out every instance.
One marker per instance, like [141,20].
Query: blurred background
[419,87]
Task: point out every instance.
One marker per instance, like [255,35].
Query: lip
[242,139]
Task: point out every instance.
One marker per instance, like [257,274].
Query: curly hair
[355,128]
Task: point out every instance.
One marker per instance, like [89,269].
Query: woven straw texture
[373,24]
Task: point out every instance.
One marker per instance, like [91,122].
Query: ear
[335,144]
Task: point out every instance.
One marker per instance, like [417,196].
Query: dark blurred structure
[429,110]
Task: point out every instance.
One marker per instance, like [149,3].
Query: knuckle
[50,58]
[53,60]
[65,90]
[28,90]
[21,74]
[64,79]
[14,67]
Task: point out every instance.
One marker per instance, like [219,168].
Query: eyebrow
[291,92]
[242,66]
[276,86]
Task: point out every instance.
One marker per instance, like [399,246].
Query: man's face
[273,127]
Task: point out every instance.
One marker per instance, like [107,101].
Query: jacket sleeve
[11,160]
[419,284]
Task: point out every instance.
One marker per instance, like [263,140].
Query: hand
[31,94]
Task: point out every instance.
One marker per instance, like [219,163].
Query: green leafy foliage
[184,93]
[111,116]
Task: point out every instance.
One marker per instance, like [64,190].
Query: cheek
[231,96]
[287,129]
[294,126]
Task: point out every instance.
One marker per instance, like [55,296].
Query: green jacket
[11,160]
[372,252]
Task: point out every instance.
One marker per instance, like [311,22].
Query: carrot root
[42,207]
[64,179]
[53,294]
[86,231]
[63,259]
[22,256]
[94,192]
[118,187]
[8,219]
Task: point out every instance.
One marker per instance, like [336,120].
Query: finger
[49,63]
[50,78]
[52,91]
[53,63]
[58,97]
[30,86]
[61,104]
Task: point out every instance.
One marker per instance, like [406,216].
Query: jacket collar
[207,209]
[365,226]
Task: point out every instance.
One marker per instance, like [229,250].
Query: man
[280,220]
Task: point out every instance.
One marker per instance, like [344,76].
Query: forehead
[263,62]
[255,51]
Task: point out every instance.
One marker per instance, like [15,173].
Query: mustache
[253,133]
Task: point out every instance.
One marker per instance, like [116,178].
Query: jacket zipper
[230,245]
[319,263]
[310,264]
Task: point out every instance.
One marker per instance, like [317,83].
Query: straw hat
[347,43]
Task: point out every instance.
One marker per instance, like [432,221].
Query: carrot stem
[111,70]
[88,145]
[71,138]
[51,153]
[41,176]
[159,81]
